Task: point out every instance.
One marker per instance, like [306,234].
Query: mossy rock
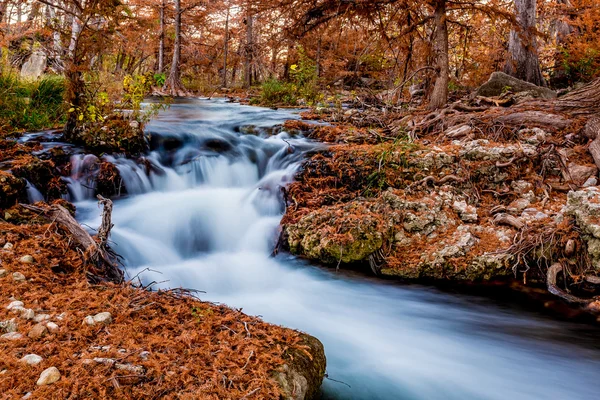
[301,376]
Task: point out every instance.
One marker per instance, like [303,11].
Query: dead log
[101,259]
[507,219]
[584,101]
[555,290]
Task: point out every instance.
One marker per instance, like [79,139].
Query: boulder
[301,376]
[500,82]
[35,65]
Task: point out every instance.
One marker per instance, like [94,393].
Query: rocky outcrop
[500,83]
[12,190]
[584,206]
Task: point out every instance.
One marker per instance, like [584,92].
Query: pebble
[31,359]
[27,259]
[3,273]
[41,317]
[8,326]
[103,318]
[17,276]
[27,313]
[37,332]
[52,327]
[144,355]
[12,336]
[8,246]
[15,305]
[27,395]
[592,181]
[48,376]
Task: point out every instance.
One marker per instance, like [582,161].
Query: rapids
[206,217]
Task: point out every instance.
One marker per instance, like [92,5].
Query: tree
[523,62]
[439,96]
[173,84]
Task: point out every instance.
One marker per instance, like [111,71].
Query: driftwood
[97,253]
[507,219]
[555,290]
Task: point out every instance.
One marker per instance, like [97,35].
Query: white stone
[11,336]
[41,317]
[103,318]
[31,359]
[15,305]
[27,313]
[27,259]
[8,326]
[19,277]
[8,246]
[35,65]
[48,376]
[592,181]
[3,273]
[52,327]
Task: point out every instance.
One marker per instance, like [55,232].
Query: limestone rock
[41,317]
[500,82]
[27,259]
[579,174]
[8,246]
[466,212]
[103,318]
[35,65]
[16,304]
[18,277]
[31,359]
[302,374]
[37,332]
[3,273]
[52,327]
[48,376]
[27,313]
[8,326]
[12,336]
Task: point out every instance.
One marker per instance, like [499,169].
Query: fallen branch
[98,254]
[507,219]
[555,290]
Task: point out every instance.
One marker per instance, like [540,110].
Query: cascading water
[203,213]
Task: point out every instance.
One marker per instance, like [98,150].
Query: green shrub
[275,92]
[30,105]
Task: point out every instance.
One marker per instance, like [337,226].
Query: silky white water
[206,217]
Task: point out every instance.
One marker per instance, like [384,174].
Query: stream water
[206,217]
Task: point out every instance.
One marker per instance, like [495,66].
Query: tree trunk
[161,45]
[249,49]
[584,101]
[523,62]
[173,84]
[439,96]
[226,49]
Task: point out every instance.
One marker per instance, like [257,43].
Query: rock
[482,150]
[35,65]
[579,174]
[12,190]
[521,187]
[27,396]
[459,131]
[41,317]
[466,212]
[8,326]
[534,136]
[52,327]
[27,259]
[31,359]
[8,246]
[591,181]
[103,318]
[12,336]
[48,376]
[3,273]
[15,305]
[18,277]
[144,355]
[517,206]
[499,83]
[27,313]
[302,374]
[584,206]
[37,332]
[134,369]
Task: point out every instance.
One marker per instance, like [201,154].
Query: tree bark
[173,84]
[226,48]
[439,96]
[249,49]
[584,101]
[161,45]
[523,62]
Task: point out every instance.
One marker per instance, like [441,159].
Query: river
[207,217]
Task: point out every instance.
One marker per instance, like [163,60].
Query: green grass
[30,105]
